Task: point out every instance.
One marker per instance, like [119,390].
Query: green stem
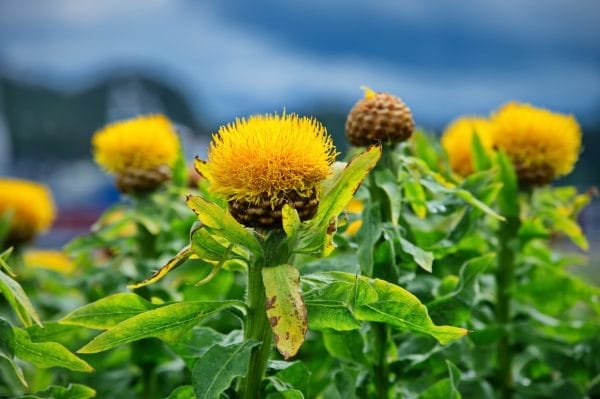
[257,326]
[381,368]
[504,281]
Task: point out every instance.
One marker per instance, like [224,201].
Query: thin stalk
[507,236]
[381,368]
[257,326]
[381,331]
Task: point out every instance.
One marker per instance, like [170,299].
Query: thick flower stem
[257,325]
[504,282]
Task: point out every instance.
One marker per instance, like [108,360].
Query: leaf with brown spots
[285,308]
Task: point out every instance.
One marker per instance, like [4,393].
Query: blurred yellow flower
[457,139]
[48,259]
[262,162]
[31,208]
[541,144]
[355,207]
[145,143]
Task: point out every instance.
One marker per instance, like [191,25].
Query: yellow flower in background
[31,208]
[541,144]
[457,139]
[57,261]
[145,142]
[262,162]
[140,151]
[355,207]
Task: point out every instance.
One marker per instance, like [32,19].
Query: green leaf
[347,346]
[455,307]
[481,160]
[330,315]
[183,392]
[18,300]
[381,302]
[386,180]
[508,197]
[290,221]
[173,263]
[368,235]
[206,247]
[108,312]
[7,350]
[47,354]
[217,368]
[285,308]
[7,338]
[415,195]
[4,261]
[72,391]
[168,323]
[423,258]
[334,201]
[220,222]
[295,375]
[445,388]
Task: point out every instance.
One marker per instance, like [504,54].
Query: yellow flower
[541,144]
[145,143]
[267,160]
[140,151]
[457,139]
[50,260]
[354,207]
[31,208]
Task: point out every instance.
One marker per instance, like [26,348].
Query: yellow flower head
[457,139]
[542,145]
[30,205]
[50,260]
[143,143]
[267,160]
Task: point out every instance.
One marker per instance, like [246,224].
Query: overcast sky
[234,58]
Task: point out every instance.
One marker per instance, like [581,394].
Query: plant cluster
[417,269]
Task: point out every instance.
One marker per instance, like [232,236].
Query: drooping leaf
[285,308]
[107,312]
[18,300]
[216,369]
[386,180]
[330,315]
[173,263]
[422,258]
[47,354]
[219,221]
[72,391]
[168,323]
[381,302]
[205,246]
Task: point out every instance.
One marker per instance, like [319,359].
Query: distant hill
[46,123]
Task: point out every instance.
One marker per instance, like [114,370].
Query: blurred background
[67,67]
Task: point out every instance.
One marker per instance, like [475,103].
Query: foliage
[441,286]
